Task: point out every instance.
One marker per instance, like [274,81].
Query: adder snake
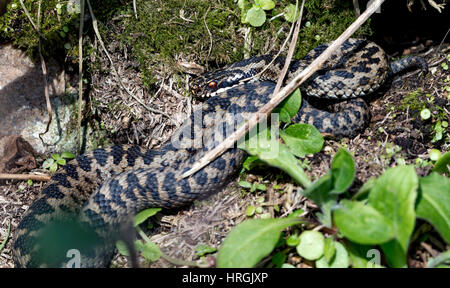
[90,198]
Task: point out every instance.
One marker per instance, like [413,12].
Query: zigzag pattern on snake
[89,199]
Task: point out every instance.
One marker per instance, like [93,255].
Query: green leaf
[150,251]
[433,203]
[287,265]
[251,162]
[47,163]
[251,241]
[3,244]
[319,191]
[293,240]
[67,155]
[363,256]
[267,4]
[250,211]
[393,195]
[342,171]
[245,184]
[53,167]
[340,259]
[242,4]
[61,161]
[362,223]
[278,259]
[302,139]
[56,157]
[202,250]
[311,245]
[329,250]
[144,215]
[276,154]
[289,13]
[289,107]
[256,16]
[443,164]
[122,248]
[296,213]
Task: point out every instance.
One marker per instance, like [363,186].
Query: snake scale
[88,200]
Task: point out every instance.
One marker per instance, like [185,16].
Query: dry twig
[4,176]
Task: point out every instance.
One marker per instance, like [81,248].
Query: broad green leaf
[275,154]
[256,16]
[311,245]
[443,164]
[144,215]
[340,259]
[56,156]
[342,171]
[251,241]
[149,250]
[250,211]
[325,216]
[302,139]
[122,248]
[289,107]
[319,191]
[202,250]
[363,256]
[393,195]
[61,161]
[433,203]
[362,224]
[245,184]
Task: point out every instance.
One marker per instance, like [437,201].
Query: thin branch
[30,19]
[5,176]
[80,75]
[287,90]
[291,48]
[97,34]
[210,35]
[44,75]
[135,9]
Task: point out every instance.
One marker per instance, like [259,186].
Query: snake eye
[212,85]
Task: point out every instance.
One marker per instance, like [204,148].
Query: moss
[161,35]
[167,30]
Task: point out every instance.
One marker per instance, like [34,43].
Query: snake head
[202,87]
[212,83]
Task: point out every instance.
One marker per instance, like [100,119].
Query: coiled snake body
[88,200]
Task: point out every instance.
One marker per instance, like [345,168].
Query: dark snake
[87,201]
